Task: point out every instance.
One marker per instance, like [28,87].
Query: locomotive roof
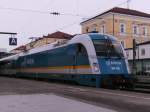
[101,36]
[75,39]
[9,58]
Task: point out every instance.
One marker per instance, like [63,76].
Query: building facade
[50,38]
[125,24]
[142,61]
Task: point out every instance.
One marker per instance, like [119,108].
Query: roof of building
[139,44]
[19,48]
[59,35]
[144,43]
[122,11]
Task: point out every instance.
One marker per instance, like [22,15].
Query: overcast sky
[19,16]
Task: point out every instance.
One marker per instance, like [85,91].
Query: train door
[71,58]
[78,59]
[81,60]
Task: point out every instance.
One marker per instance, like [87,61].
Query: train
[91,59]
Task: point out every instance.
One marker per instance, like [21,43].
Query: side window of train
[71,50]
[81,50]
[77,49]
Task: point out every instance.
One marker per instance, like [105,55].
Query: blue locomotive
[91,59]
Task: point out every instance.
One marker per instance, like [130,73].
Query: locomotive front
[112,61]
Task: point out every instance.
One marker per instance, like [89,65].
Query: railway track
[139,86]
[122,101]
[142,87]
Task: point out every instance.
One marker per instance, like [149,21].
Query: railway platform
[37,96]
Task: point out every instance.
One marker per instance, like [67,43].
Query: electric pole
[134,57]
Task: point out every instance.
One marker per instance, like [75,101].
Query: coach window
[71,49]
[81,50]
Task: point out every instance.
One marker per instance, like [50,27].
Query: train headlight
[96,67]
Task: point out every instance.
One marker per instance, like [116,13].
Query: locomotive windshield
[107,48]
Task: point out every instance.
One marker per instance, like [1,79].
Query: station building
[142,57]
[125,24]
[18,49]
[142,61]
[50,38]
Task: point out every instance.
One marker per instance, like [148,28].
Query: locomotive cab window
[107,48]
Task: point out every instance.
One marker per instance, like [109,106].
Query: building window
[87,29]
[144,31]
[143,52]
[94,29]
[127,53]
[102,30]
[122,28]
[135,30]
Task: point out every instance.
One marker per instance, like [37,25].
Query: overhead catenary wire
[68,25]
[118,5]
[41,12]
[123,3]
[23,10]
[48,12]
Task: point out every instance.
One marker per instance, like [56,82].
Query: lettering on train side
[29,61]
